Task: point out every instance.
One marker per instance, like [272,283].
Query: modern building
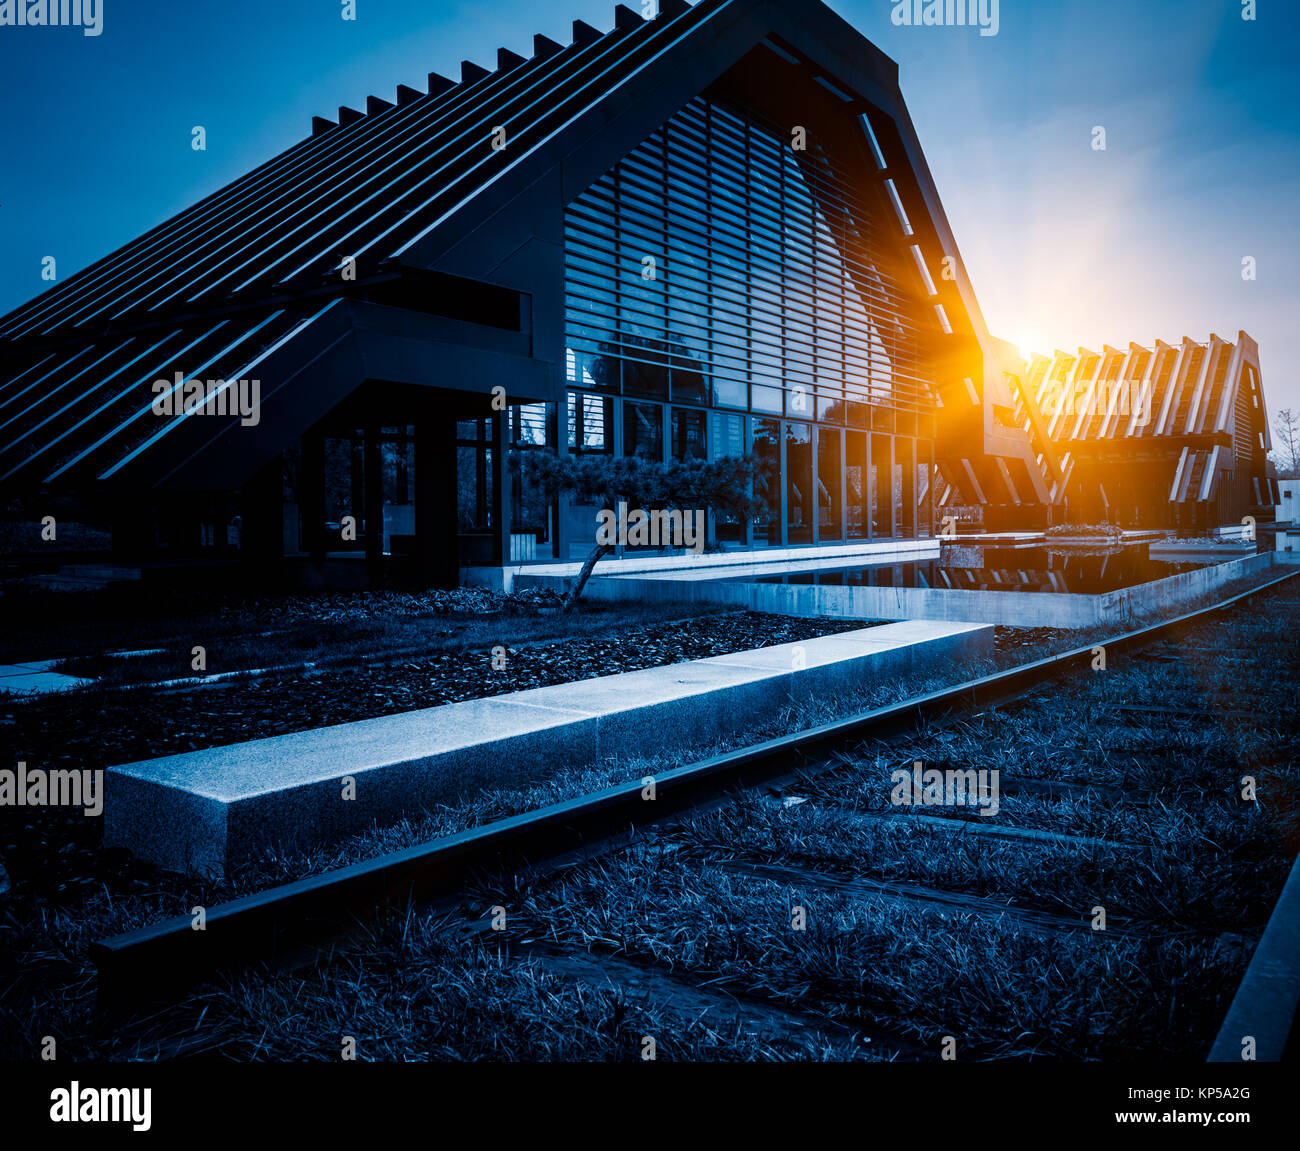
[1288,506]
[1174,436]
[708,233]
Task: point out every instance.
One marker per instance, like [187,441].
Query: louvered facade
[710,232]
[1171,436]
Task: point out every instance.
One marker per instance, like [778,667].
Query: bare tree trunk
[1287,421]
[585,574]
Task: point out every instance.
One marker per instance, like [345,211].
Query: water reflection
[975,568]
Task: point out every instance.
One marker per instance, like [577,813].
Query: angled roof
[1186,389]
[367,189]
[246,280]
[90,408]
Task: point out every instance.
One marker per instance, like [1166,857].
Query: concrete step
[211,809]
[34,677]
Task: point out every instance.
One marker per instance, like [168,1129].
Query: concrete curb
[1010,608]
[1264,1007]
[211,809]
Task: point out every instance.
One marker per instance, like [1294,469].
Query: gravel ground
[1012,645]
[83,627]
[98,729]
[58,850]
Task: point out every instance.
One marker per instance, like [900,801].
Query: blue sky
[1065,245]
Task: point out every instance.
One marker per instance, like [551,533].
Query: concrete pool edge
[1009,608]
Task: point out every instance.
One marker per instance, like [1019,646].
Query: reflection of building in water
[973,568]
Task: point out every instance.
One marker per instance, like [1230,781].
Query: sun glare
[1029,343]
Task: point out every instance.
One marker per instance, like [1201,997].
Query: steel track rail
[166,958]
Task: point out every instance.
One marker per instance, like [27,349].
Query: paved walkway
[36,678]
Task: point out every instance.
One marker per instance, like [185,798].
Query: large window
[716,264]
[799,484]
[474,475]
[727,438]
[830,473]
[716,267]
[688,434]
[905,486]
[643,430]
[532,428]
[767,481]
[856,479]
[590,423]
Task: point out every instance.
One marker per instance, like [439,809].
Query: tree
[723,486]
[1286,422]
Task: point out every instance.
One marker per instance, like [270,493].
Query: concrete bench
[213,809]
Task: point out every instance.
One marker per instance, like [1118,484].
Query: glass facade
[727,294]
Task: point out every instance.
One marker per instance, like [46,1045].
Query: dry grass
[1000,991]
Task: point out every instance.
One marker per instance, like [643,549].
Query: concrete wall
[1176,590]
[688,566]
[1014,609]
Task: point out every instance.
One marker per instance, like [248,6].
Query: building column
[261,510]
[436,530]
[312,508]
[500,509]
[374,504]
